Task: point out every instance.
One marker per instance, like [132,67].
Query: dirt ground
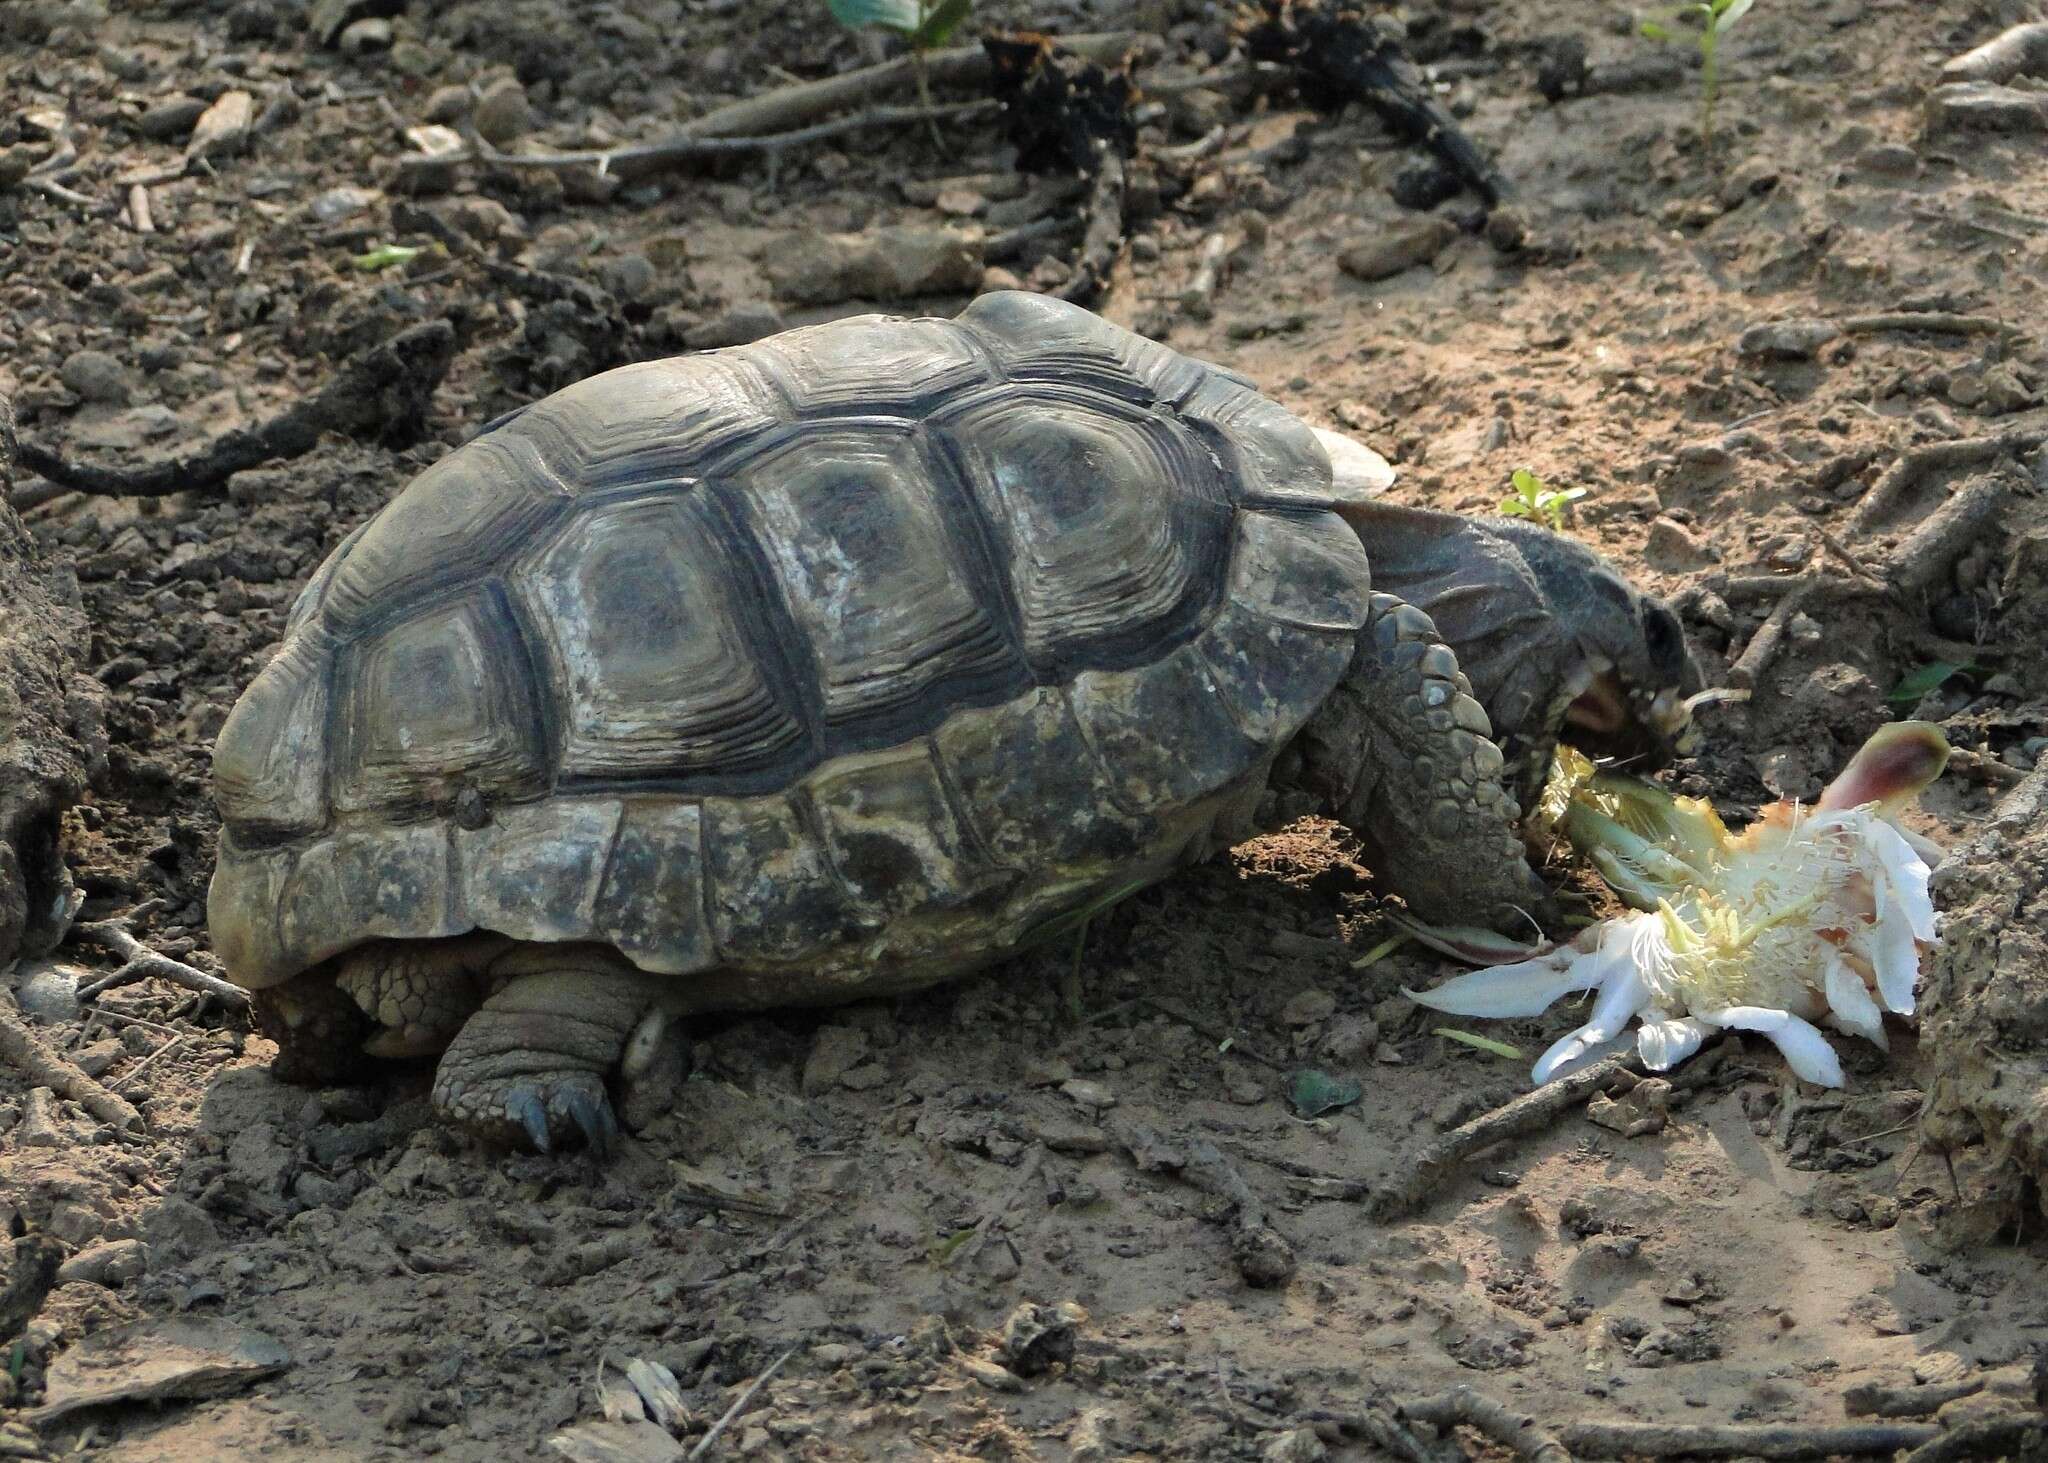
[874,1190]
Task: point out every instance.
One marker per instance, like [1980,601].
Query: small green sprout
[1922,680]
[1483,1043]
[1715,18]
[392,256]
[925,24]
[1537,501]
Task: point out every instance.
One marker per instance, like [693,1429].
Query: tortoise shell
[873,646]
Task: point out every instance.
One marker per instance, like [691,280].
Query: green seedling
[1921,680]
[925,24]
[1714,18]
[1537,501]
[1483,1043]
[392,256]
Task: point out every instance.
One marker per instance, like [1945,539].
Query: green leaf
[1484,1043]
[1527,483]
[1314,1093]
[1517,507]
[940,23]
[1727,12]
[387,256]
[897,15]
[1930,677]
[1656,32]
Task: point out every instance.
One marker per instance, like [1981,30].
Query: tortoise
[853,660]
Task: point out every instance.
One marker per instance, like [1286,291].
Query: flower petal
[1850,1005]
[1526,988]
[1622,994]
[1664,1043]
[1581,1049]
[1906,873]
[1894,953]
[1805,1050]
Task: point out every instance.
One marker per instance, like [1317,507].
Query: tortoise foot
[530,1067]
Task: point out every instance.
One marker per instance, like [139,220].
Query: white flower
[1808,915]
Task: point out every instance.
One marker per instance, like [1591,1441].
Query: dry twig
[1434,1160]
[739,1405]
[1775,1440]
[1461,1406]
[1932,322]
[1911,466]
[381,392]
[1763,646]
[1104,240]
[1991,1437]
[21,1049]
[143,963]
[1871,1400]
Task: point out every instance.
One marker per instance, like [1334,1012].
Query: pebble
[836,1051]
[49,992]
[1890,160]
[1987,107]
[366,37]
[502,113]
[95,376]
[1396,248]
[1089,1094]
[170,117]
[1750,180]
[338,203]
[40,1125]
[1673,548]
[224,127]
[740,324]
[632,277]
[887,264]
[1787,340]
[1305,1008]
[447,104]
[114,1263]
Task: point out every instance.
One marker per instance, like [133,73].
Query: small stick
[1990,1437]
[143,1066]
[1385,1431]
[1933,322]
[1763,646]
[1517,1432]
[1849,560]
[1104,240]
[380,392]
[1026,1172]
[1775,1440]
[20,1049]
[1434,1160]
[1886,493]
[138,210]
[653,157]
[1871,1400]
[739,1405]
[1263,1255]
[143,963]
[1199,299]
[1948,532]
[1011,242]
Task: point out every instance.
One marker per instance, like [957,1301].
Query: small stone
[170,117]
[1396,248]
[1350,1039]
[1296,1445]
[991,1376]
[502,113]
[887,264]
[1750,180]
[1787,340]
[1987,107]
[1672,548]
[1089,1094]
[95,376]
[95,1060]
[223,128]
[447,104]
[995,278]
[631,277]
[484,219]
[740,324]
[836,1051]
[113,1264]
[49,991]
[1890,160]
[1305,1008]
[40,1125]
[336,204]
[367,37]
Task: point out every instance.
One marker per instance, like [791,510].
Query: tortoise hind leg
[1404,757]
[531,1064]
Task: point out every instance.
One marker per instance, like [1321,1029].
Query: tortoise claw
[592,1115]
[532,1114]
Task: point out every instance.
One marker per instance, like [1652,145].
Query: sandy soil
[880,1187]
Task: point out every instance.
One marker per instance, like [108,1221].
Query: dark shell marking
[864,648]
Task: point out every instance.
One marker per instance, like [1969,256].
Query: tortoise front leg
[531,1064]
[1403,755]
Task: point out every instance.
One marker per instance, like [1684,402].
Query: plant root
[1772,1440]
[21,1049]
[380,393]
[1434,1161]
[1518,1432]
[142,963]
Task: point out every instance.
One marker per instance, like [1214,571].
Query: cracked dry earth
[879,1187]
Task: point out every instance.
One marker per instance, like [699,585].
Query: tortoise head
[1556,643]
